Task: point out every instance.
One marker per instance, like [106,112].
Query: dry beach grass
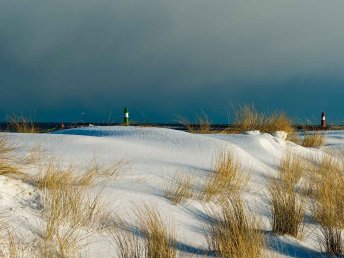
[231,232]
[313,140]
[247,118]
[201,124]
[21,124]
[178,188]
[328,207]
[69,208]
[227,176]
[287,207]
[152,239]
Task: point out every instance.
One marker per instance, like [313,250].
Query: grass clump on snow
[292,167]
[128,244]
[54,175]
[287,207]
[159,241]
[233,233]
[69,209]
[8,164]
[68,212]
[227,176]
[201,125]
[313,140]
[328,208]
[21,124]
[247,118]
[110,172]
[178,189]
[152,239]
[57,242]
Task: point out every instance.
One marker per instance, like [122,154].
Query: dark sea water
[51,126]
[47,127]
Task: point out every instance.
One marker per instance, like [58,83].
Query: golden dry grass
[201,125]
[287,209]
[67,212]
[6,147]
[54,175]
[313,140]
[13,248]
[8,164]
[227,177]
[152,239]
[294,137]
[292,167]
[33,156]
[179,188]
[73,206]
[110,172]
[56,241]
[21,124]
[159,240]
[127,244]
[9,168]
[247,118]
[233,233]
[328,206]
[68,207]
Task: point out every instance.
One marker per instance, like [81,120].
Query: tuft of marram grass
[332,241]
[8,166]
[67,212]
[54,175]
[56,242]
[313,140]
[127,244]
[328,207]
[286,208]
[110,172]
[201,125]
[6,147]
[13,247]
[247,118]
[294,137]
[72,206]
[21,124]
[227,177]
[292,167]
[233,233]
[178,189]
[159,241]
[33,156]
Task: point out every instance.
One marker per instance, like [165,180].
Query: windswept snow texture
[154,156]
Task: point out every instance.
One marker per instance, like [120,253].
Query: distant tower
[126,116]
[323,120]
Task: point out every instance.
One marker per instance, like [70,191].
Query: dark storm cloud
[162,58]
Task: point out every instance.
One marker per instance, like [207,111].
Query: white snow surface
[154,155]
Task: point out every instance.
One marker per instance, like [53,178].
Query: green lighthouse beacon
[126,116]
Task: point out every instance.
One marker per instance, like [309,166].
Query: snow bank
[154,155]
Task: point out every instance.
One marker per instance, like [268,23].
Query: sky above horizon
[72,60]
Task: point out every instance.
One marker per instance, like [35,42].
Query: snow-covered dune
[154,155]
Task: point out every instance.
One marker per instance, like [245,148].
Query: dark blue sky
[163,58]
